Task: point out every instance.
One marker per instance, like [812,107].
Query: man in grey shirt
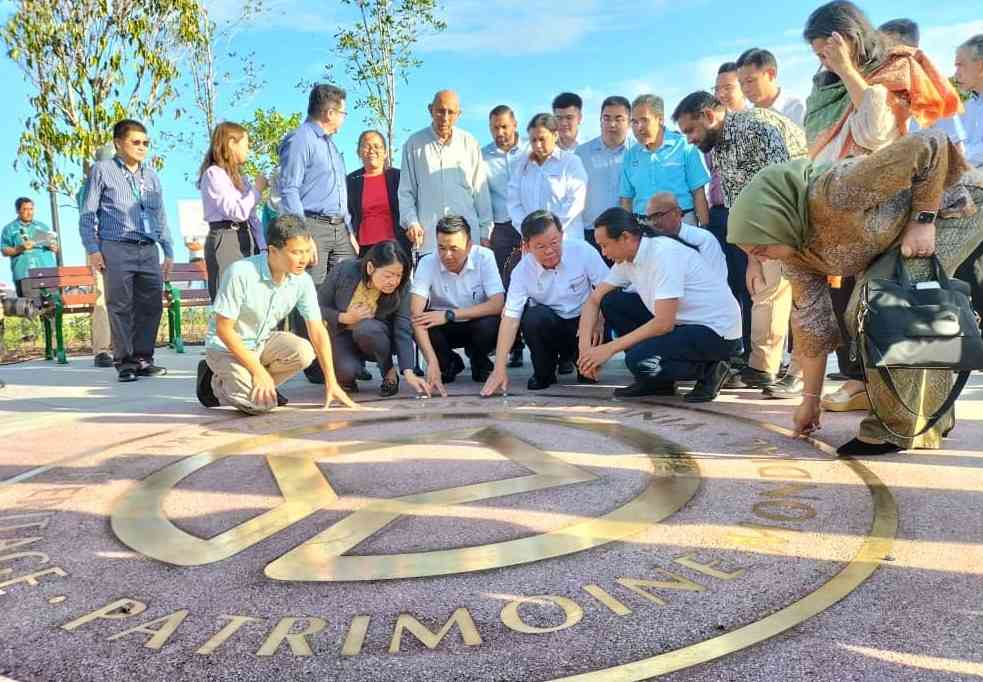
[442,174]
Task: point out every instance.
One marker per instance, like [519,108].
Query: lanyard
[137,191]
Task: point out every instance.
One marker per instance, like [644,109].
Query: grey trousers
[223,248]
[134,287]
[370,340]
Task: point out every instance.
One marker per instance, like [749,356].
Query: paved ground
[553,535]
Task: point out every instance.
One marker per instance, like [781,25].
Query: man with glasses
[568,108]
[443,174]
[548,289]
[313,186]
[603,157]
[121,222]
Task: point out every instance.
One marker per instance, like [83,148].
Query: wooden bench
[60,291]
[176,297]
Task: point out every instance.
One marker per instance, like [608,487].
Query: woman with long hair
[229,202]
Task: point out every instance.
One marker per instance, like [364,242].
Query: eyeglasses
[340,112]
[140,143]
[647,219]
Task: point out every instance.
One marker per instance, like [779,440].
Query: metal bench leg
[176,327]
[46,324]
[60,334]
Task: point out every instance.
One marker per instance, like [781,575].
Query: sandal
[389,387]
[841,401]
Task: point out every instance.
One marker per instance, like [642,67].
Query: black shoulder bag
[924,325]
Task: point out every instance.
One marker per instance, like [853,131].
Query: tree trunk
[55,222]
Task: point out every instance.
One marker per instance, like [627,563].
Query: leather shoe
[581,379]
[349,387]
[755,378]
[536,383]
[363,375]
[515,358]
[788,387]
[149,369]
[565,367]
[203,385]
[389,387]
[103,360]
[281,399]
[128,374]
[858,448]
[643,388]
[708,387]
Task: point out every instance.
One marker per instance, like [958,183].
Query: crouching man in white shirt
[456,302]
[683,322]
[549,287]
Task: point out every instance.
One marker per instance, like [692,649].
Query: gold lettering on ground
[355,638]
[572,614]
[14,543]
[709,569]
[606,598]
[783,471]
[138,519]
[678,582]
[223,635]
[297,640]
[802,511]
[461,617]
[32,579]
[159,635]
[40,556]
[116,610]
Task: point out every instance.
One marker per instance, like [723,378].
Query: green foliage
[266,129]
[93,62]
[377,50]
[963,94]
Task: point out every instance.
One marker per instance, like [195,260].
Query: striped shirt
[116,200]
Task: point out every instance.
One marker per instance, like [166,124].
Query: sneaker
[149,369]
[127,374]
[787,387]
[515,358]
[103,360]
[536,383]
[708,387]
[755,378]
[203,385]
[643,388]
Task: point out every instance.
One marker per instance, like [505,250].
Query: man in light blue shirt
[246,357]
[603,158]
[662,161]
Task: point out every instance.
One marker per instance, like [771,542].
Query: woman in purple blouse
[229,202]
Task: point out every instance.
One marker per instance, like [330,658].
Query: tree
[266,130]
[92,62]
[378,52]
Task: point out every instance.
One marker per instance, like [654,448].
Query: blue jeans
[683,353]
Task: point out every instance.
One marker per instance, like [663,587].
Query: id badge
[145,224]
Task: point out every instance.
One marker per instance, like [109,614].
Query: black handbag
[924,325]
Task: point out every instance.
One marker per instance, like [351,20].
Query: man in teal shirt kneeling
[246,358]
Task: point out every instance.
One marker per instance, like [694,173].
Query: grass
[23,339]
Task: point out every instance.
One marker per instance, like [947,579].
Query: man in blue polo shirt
[662,161]
[246,357]
[27,243]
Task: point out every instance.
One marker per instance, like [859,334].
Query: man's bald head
[444,112]
[664,213]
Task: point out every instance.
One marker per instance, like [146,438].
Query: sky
[516,52]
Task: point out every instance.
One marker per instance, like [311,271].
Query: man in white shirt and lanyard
[682,323]
[501,156]
[758,73]
[548,290]
[602,158]
[456,300]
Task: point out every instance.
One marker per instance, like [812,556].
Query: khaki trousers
[283,355]
[770,311]
[99,318]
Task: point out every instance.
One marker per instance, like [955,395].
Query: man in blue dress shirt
[121,222]
[312,185]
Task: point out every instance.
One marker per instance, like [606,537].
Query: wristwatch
[925,217]
[449,315]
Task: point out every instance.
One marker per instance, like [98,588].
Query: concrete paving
[535,537]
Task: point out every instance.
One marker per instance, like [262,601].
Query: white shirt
[790,107]
[664,269]
[477,281]
[558,186]
[565,288]
[708,245]
[973,122]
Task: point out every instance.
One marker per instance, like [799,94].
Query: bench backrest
[70,277]
[189,272]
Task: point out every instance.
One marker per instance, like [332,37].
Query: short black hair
[383,254]
[616,101]
[727,67]
[452,224]
[323,97]
[501,110]
[616,221]
[124,127]
[694,104]
[284,228]
[568,99]
[21,201]
[538,222]
[905,29]
[543,120]
[758,58]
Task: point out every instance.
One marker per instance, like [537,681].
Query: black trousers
[370,340]
[134,287]
[477,337]
[550,338]
[971,272]
[736,272]
[841,299]
[684,353]
[223,247]
[506,244]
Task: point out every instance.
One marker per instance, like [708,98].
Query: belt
[226,225]
[325,218]
[687,210]
[138,242]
